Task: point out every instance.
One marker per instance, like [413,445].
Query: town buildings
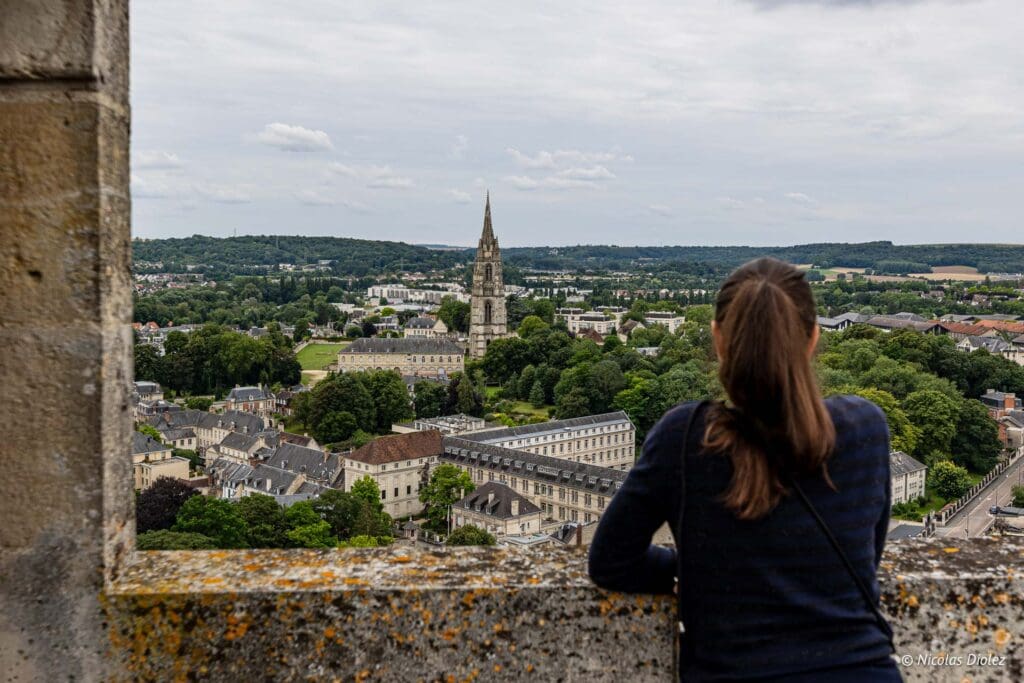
[487,318]
[152,459]
[499,510]
[607,440]
[417,357]
[427,328]
[399,466]
[255,400]
[672,321]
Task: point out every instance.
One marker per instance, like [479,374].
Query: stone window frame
[79,601]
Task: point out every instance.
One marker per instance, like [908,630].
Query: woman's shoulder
[850,408]
[860,425]
[670,428]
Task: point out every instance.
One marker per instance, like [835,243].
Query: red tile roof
[399,447]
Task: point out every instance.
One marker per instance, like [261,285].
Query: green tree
[198,403]
[212,517]
[342,392]
[264,521]
[935,416]
[151,431]
[335,426]
[429,398]
[316,535]
[366,489]
[163,539]
[390,398]
[949,480]
[537,394]
[148,364]
[470,535]
[1018,497]
[447,485]
[531,325]
[341,510]
[454,313]
[361,541]
[976,443]
[574,403]
[902,434]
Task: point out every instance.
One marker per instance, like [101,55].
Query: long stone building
[563,490]
[606,440]
[415,356]
[488,318]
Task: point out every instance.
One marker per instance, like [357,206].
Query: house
[497,509]
[591,334]
[672,321]
[152,459]
[998,402]
[446,424]
[408,356]
[841,322]
[627,328]
[148,391]
[563,490]
[315,465]
[961,330]
[251,400]
[648,351]
[212,428]
[179,437]
[908,477]
[236,447]
[428,328]
[397,464]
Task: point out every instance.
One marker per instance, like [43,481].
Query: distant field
[319,356]
[954,269]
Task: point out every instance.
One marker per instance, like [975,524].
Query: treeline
[170,515]
[237,255]
[212,360]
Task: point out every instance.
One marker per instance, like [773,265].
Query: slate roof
[992,344]
[177,419]
[901,463]
[903,531]
[405,345]
[143,443]
[232,420]
[399,447]
[500,506]
[549,427]
[146,387]
[248,394]
[176,434]
[238,442]
[421,323]
[315,464]
[577,475]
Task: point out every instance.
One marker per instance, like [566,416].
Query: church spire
[488,235]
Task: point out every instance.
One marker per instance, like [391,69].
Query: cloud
[730,203]
[314,198]
[374,177]
[459,147]
[459,196]
[156,160]
[660,210]
[550,160]
[592,173]
[521,182]
[226,195]
[773,4]
[550,182]
[800,198]
[294,138]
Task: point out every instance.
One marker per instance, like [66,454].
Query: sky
[706,122]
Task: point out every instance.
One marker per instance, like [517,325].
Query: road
[974,519]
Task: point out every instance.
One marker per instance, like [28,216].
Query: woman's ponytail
[777,422]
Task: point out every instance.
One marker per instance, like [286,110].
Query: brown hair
[777,422]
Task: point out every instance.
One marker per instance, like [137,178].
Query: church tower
[487,318]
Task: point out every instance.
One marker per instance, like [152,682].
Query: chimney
[1009,401]
[490,498]
[268,483]
[515,507]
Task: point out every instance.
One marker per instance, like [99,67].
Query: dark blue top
[760,599]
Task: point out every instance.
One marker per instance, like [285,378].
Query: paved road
[974,519]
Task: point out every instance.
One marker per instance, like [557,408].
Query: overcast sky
[698,122]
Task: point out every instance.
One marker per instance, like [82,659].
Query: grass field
[319,356]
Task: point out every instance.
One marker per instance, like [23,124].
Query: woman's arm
[621,555]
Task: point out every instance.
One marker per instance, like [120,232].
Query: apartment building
[398,464]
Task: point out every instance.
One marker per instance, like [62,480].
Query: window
[488,272]
[487,312]
[396,492]
[383,494]
[408,490]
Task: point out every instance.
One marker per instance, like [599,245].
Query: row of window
[408,359]
[408,492]
[541,489]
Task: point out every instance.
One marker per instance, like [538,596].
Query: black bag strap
[861,586]
[682,510]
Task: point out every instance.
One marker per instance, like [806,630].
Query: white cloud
[730,203]
[373,176]
[156,160]
[459,147]
[314,198]
[521,182]
[341,169]
[799,198]
[226,195]
[294,138]
[551,160]
[459,196]
[592,173]
[660,210]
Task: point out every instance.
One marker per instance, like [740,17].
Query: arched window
[488,272]
[487,311]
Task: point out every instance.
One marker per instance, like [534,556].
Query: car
[994,510]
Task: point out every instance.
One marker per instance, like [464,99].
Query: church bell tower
[487,318]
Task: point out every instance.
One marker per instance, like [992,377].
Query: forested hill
[367,257]
[239,254]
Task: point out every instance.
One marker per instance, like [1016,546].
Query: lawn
[318,356]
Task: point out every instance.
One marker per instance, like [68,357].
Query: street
[974,520]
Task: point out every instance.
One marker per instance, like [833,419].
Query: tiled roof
[248,394]
[398,447]
[405,345]
[143,443]
[314,464]
[498,505]
[421,323]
